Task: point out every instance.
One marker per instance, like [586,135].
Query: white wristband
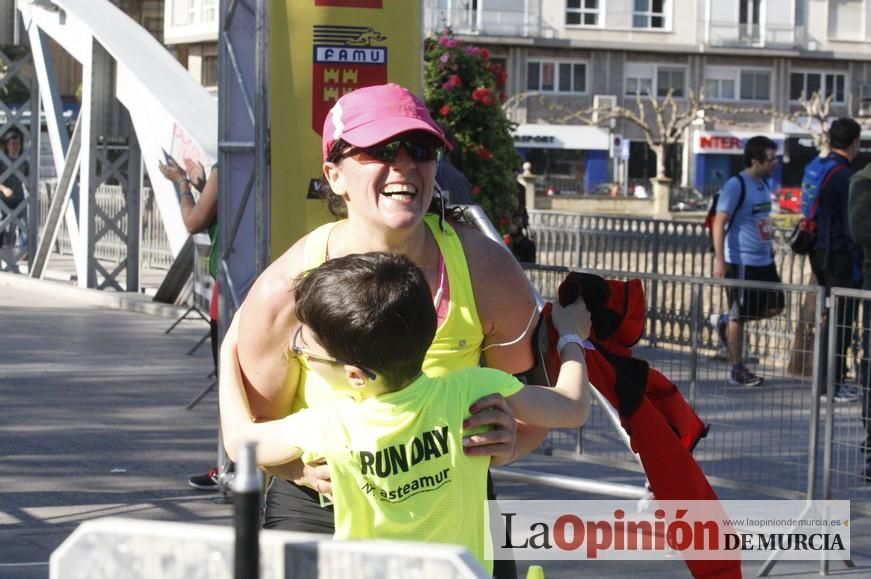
[569,339]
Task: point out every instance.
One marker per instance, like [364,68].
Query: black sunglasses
[387,152]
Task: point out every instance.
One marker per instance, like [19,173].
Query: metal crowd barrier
[846,466]
[765,439]
[641,244]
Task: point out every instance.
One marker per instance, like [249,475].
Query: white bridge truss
[163,109]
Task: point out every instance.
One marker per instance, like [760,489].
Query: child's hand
[494,427]
[572,319]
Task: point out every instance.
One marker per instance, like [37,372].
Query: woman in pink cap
[380,148]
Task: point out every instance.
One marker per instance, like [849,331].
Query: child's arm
[568,404]
[237,423]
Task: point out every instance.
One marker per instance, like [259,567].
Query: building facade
[148,13]
[191,29]
[755,55]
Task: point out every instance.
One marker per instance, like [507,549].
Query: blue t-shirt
[748,239]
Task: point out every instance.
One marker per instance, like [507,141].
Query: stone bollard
[527,179]
[661,197]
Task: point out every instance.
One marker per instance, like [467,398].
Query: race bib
[766,229]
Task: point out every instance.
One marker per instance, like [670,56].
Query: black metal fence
[641,245]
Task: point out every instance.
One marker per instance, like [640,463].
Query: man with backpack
[741,234]
[860,215]
[835,259]
[859,211]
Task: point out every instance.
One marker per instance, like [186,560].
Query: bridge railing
[156,252]
[641,245]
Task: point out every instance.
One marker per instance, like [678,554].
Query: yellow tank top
[457,342]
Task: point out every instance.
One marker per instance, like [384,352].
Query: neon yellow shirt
[457,342]
[398,467]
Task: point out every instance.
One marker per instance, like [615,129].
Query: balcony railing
[184,22]
[737,35]
[515,23]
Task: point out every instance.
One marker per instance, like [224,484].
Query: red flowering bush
[466,90]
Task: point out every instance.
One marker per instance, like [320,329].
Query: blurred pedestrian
[200,215]
[835,259]
[742,233]
[12,190]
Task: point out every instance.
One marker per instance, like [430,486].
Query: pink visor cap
[371,115]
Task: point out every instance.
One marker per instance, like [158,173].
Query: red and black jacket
[663,429]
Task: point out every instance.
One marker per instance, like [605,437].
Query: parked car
[688,199]
[789,199]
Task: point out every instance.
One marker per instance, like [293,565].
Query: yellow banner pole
[319,50]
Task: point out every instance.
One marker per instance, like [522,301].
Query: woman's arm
[267,319]
[199,215]
[237,423]
[508,313]
[504,300]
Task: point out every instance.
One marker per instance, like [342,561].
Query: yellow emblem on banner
[319,50]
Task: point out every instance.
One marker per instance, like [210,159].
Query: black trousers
[835,269]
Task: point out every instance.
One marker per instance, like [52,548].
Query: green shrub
[465,91]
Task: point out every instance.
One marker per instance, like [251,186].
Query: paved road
[94,425]
[94,422]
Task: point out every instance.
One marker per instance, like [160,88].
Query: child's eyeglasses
[323,358]
[387,152]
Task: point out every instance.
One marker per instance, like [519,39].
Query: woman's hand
[572,319]
[196,173]
[171,170]
[316,476]
[500,440]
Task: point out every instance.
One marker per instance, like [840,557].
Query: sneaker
[205,482]
[722,354]
[741,376]
[844,395]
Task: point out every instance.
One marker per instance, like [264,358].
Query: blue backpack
[816,177]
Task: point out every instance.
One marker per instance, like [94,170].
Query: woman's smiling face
[394,193]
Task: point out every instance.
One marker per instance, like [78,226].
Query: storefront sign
[573,137]
[523,139]
[717,143]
